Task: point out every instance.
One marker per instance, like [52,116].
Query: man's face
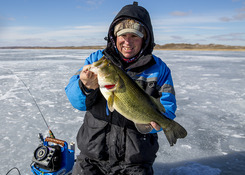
[129,44]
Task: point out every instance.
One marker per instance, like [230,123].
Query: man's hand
[155,126]
[88,78]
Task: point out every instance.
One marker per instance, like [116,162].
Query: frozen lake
[210,92]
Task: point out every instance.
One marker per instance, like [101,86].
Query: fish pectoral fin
[110,102]
[143,128]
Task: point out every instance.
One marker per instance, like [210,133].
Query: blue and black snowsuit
[109,143]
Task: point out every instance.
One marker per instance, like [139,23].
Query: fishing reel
[53,157]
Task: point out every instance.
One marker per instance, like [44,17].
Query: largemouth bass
[125,96]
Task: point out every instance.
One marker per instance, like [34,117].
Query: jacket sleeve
[166,91]
[77,94]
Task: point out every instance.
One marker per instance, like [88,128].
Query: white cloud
[230,37]
[177,37]
[94,2]
[90,4]
[184,20]
[180,13]
[78,35]
[241,9]
[225,19]
[3,18]
[238,16]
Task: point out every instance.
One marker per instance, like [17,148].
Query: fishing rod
[53,156]
[51,159]
[27,88]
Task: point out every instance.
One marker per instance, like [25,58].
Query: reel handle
[60,142]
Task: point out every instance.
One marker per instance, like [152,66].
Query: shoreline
[225,50]
[238,50]
[170,47]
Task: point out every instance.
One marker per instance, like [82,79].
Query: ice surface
[210,92]
[195,169]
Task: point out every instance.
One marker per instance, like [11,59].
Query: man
[109,143]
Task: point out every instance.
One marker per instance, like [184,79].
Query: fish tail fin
[174,132]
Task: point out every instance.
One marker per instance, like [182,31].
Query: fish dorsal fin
[110,102]
[143,128]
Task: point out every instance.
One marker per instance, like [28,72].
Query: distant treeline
[184,46]
[171,46]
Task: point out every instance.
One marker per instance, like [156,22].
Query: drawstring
[107,110]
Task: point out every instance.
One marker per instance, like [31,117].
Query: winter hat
[129,26]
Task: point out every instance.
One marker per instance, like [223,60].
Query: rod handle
[60,142]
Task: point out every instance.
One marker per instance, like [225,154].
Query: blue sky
[85,22]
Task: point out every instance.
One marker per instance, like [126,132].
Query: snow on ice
[210,95]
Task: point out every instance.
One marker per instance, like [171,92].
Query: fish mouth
[109,86]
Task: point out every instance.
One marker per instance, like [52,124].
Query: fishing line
[27,88]
[13,169]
